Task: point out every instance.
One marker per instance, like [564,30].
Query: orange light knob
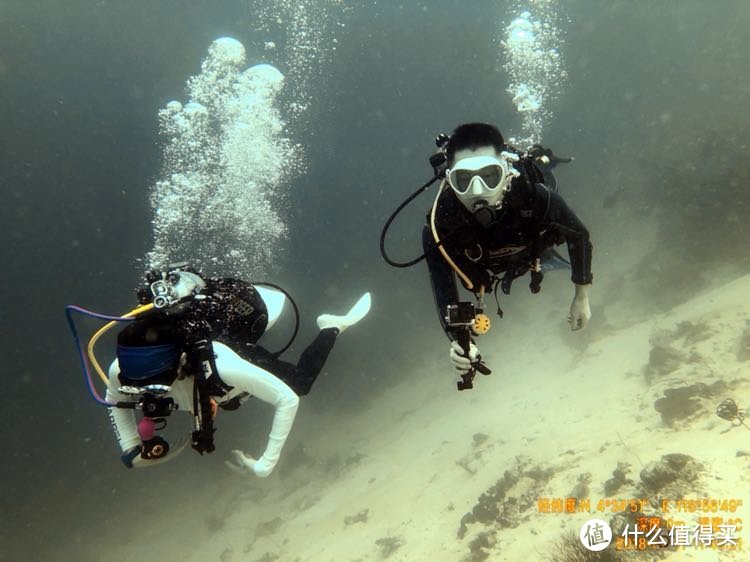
[482,324]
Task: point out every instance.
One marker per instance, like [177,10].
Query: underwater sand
[422,454]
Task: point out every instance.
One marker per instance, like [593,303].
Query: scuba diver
[192,346]
[497,216]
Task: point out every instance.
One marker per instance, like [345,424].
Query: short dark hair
[472,136]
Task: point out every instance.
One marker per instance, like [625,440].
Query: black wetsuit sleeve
[442,277]
[560,217]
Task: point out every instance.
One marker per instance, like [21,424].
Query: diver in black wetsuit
[494,220]
[235,313]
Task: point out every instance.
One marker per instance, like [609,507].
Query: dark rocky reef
[389,545]
[618,480]
[360,517]
[673,348]
[673,476]
[684,402]
[509,501]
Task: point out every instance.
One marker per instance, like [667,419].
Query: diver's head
[167,288]
[474,136]
[479,171]
[185,283]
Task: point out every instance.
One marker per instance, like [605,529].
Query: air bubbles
[525,99]
[521,30]
[219,201]
[531,49]
[305,30]
[226,51]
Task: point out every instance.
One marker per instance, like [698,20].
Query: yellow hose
[461,274]
[92,342]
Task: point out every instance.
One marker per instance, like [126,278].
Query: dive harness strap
[534,266]
[504,283]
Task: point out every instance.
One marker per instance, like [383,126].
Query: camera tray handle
[463,337]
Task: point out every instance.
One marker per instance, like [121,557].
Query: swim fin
[355,314]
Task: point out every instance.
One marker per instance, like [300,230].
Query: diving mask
[486,177]
[477,175]
[175,286]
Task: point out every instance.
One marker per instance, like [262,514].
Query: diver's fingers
[240,462]
[575,323]
[234,462]
[234,468]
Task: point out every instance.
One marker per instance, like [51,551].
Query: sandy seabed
[397,480]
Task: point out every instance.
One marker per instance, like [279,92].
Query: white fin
[355,314]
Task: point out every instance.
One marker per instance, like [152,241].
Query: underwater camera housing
[153,402]
[460,315]
[460,319]
[155,406]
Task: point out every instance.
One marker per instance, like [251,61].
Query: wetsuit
[233,317]
[238,317]
[532,220]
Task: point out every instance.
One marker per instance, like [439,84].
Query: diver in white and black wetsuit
[198,350]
